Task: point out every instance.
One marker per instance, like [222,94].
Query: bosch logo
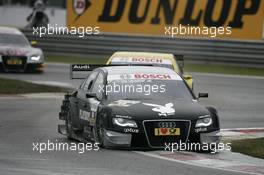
[167,124]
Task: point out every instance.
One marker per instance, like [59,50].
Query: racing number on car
[166,131]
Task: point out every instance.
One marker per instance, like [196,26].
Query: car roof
[144,54]
[10,30]
[116,70]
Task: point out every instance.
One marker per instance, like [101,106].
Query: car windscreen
[147,89]
[12,39]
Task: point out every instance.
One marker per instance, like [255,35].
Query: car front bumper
[129,140]
[22,68]
[116,139]
[210,138]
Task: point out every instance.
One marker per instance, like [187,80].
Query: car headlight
[204,121]
[124,122]
[35,57]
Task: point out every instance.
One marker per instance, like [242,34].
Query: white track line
[53,83]
[242,129]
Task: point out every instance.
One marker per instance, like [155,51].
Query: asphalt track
[27,121]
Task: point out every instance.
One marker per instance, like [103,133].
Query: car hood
[14,50]
[158,109]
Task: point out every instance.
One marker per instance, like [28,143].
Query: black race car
[137,107]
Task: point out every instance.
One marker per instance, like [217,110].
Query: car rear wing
[80,71]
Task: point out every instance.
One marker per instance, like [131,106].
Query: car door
[82,108]
[98,88]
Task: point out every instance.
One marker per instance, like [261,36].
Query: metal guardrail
[228,52]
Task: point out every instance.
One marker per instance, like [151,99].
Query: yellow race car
[171,61]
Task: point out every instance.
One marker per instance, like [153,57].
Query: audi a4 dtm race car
[137,107]
[171,61]
[16,53]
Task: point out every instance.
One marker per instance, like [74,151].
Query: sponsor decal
[153,76]
[14,52]
[197,130]
[165,110]
[167,131]
[149,17]
[124,103]
[87,116]
[123,116]
[141,60]
[147,60]
[84,115]
[144,76]
[80,67]
[131,130]
[92,118]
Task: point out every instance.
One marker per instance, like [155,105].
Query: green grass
[203,68]
[8,86]
[251,147]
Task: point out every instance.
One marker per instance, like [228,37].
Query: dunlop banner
[234,19]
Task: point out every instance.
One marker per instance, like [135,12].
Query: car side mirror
[91,95]
[203,95]
[33,43]
[181,63]
[187,77]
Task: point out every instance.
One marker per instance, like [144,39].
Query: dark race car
[16,54]
[137,107]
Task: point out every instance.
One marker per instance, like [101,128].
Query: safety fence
[244,53]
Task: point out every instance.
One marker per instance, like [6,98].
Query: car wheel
[100,132]
[68,125]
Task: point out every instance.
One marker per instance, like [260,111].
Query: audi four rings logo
[167,124]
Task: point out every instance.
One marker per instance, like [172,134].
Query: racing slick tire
[68,125]
[99,132]
[35,68]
